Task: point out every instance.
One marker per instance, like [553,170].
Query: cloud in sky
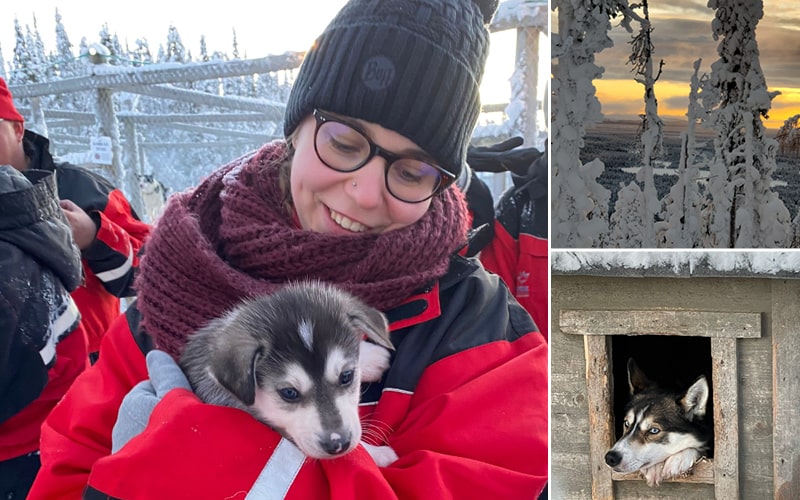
[682,34]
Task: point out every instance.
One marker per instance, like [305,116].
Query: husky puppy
[664,433]
[294,360]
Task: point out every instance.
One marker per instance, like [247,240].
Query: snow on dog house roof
[684,263]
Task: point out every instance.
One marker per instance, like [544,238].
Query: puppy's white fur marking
[336,363]
[373,360]
[306,332]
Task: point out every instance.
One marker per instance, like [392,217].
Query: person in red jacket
[518,249]
[42,347]
[106,229]
[359,195]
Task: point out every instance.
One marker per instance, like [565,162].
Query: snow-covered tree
[175,51]
[111,42]
[64,58]
[579,204]
[789,136]
[681,226]
[651,137]
[743,212]
[629,218]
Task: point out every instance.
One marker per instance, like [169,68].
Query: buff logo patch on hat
[378,73]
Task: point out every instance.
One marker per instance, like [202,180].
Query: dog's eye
[654,430]
[346,378]
[626,424]
[289,394]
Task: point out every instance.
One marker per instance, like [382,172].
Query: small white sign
[100,150]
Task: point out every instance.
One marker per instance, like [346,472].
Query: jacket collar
[37,148]
[425,304]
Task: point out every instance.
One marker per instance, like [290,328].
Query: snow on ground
[755,263]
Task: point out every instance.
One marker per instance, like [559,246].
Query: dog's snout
[335,443]
[613,458]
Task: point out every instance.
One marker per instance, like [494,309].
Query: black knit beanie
[411,66]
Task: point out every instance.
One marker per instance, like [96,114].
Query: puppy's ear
[637,380]
[373,323]
[233,360]
[695,399]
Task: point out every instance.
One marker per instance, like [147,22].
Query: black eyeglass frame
[445,177]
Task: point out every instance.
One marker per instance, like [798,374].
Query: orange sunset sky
[683,34]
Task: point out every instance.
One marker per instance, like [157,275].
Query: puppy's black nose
[613,458]
[335,444]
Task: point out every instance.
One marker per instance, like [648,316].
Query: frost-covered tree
[743,211]
[651,138]
[203,49]
[64,58]
[141,54]
[175,50]
[579,204]
[629,219]
[111,42]
[21,62]
[681,226]
[235,46]
[789,136]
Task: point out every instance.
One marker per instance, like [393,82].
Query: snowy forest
[189,152]
[722,196]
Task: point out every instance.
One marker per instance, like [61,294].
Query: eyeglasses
[344,148]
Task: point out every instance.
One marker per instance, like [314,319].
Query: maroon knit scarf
[232,238]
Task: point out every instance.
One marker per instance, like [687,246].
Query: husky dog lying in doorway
[664,433]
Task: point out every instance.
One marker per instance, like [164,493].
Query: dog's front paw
[373,361]
[382,455]
[653,474]
[680,463]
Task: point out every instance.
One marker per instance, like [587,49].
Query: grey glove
[138,404]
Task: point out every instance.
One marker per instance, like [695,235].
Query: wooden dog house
[747,306]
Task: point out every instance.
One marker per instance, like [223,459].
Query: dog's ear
[374,324]
[695,399]
[234,359]
[637,380]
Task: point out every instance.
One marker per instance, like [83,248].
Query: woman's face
[329,201]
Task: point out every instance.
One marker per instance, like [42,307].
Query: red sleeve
[78,430]
[461,438]
[114,255]
[473,433]
[501,256]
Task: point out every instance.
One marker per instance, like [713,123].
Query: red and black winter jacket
[464,404]
[42,347]
[111,260]
[518,251]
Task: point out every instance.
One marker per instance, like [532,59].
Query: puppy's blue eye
[346,378]
[654,430]
[289,394]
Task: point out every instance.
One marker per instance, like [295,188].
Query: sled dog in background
[664,433]
[294,359]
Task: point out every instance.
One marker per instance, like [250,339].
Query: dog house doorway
[722,330]
[673,363]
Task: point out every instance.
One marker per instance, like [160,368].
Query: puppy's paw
[653,474]
[382,455]
[680,463]
[373,361]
